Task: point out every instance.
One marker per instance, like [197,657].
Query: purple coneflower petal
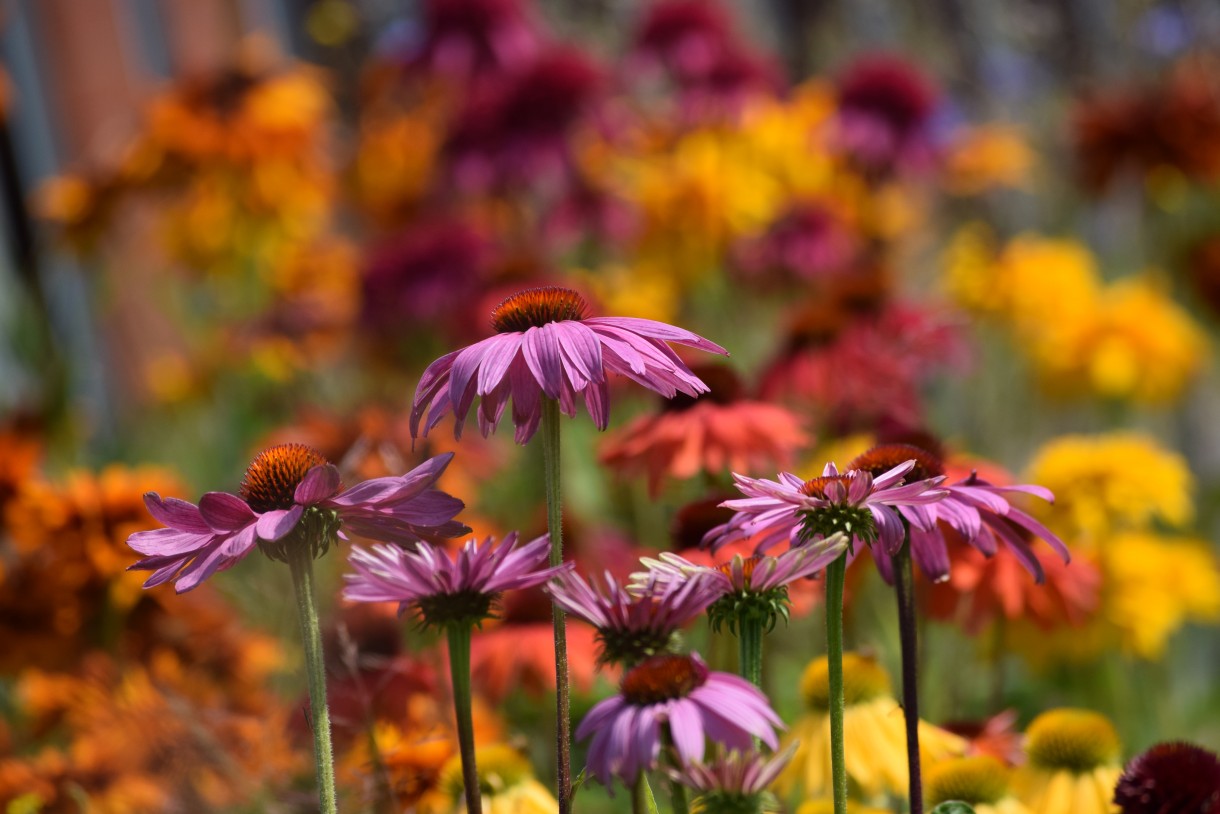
[318,484]
[175,513]
[224,512]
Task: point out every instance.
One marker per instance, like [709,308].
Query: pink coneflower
[1170,778]
[632,627]
[724,429]
[681,694]
[448,591]
[884,115]
[975,509]
[735,782]
[545,346]
[290,496]
[471,39]
[862,506]
[807,243]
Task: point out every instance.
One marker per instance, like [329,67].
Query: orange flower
[719,432]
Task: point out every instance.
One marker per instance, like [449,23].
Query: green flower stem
[750,649]
[640,795]
[680,805]
[836,574]
[554,519]
[300,563]
[904,587]
[677,790]
[459,670]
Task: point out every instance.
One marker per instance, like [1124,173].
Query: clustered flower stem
[750,650]
[459,669]
[836,575]
[904,589]
[300,563]
[554,515]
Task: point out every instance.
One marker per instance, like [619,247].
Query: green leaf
[953,807]
[649,798]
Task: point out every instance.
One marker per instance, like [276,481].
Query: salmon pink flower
[680,694]
[290,496]
[545,346]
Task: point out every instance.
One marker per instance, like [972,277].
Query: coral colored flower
[444,590]
[791,509]
[976,509]
[632,627]
[981,781]
[691,702]
[884,116]
[873,729]
[995,736]
[290,492]
[1170,778]
[1073,763]
[545,346]
[721,430]
[734,782]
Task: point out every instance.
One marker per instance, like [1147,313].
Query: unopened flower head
[976,509]
[448,591]
[855,503]
[747,587]
[291,497]
[680,694]
[545,346]
[633,626]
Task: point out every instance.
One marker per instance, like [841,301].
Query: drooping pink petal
[224,512]
[318,484]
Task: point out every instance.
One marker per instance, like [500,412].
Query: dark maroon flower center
[662,678]
[884,457]
[1178,777]
[816,487]
[271,480]
[536,307]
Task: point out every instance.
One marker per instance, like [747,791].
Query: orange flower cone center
[271,480]
[536,307]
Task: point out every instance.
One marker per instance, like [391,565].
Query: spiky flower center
[536,307]
[662,678]
[819,486]
[863,680]
[978,780]
[463,608]
[1074,740]
[272,478]
[884,457]
[1178,777]
[500,768]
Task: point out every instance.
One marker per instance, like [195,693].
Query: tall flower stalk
[836,575]
[904,590]
[545,355]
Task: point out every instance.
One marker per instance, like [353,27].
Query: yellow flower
[639,289]
[1111,482]
[873,728]
[988,156]
[1073,764]
[980,780]
[506,783]
[828,807]
[1154,585]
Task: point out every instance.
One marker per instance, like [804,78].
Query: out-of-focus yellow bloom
[828,807]
[1137,344]
[980,780]
[636,289]
[395,160]
[1154,585]
[874,733]
[1073,764]
[506,781]
[986,157]
[1116,481]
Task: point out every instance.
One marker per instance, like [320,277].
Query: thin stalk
[459,670]
[904,587]
[676,789]
[639,795]
[300,563]
[554,519]
[750,650]
[836,574]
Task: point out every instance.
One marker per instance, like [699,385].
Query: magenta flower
[468,40]
[544,346]
[796,510]
[290,495]
[632,627]
[885,114]
[680,693]
[974,508]
[734,781]
[446,590]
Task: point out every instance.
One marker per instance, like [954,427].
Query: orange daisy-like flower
[722,430]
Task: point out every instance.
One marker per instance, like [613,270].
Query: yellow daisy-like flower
[506,782]
[980,780]
[874,733]
[1073,764]
[828,807]
[1117,481]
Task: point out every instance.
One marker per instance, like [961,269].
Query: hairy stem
[750,650]
[836,574]
[459,670]
[904,587]
[554,516]
[300,562]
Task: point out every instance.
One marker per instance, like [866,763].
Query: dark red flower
[806,243]
[885,109]
[474,39]
[1170,778]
